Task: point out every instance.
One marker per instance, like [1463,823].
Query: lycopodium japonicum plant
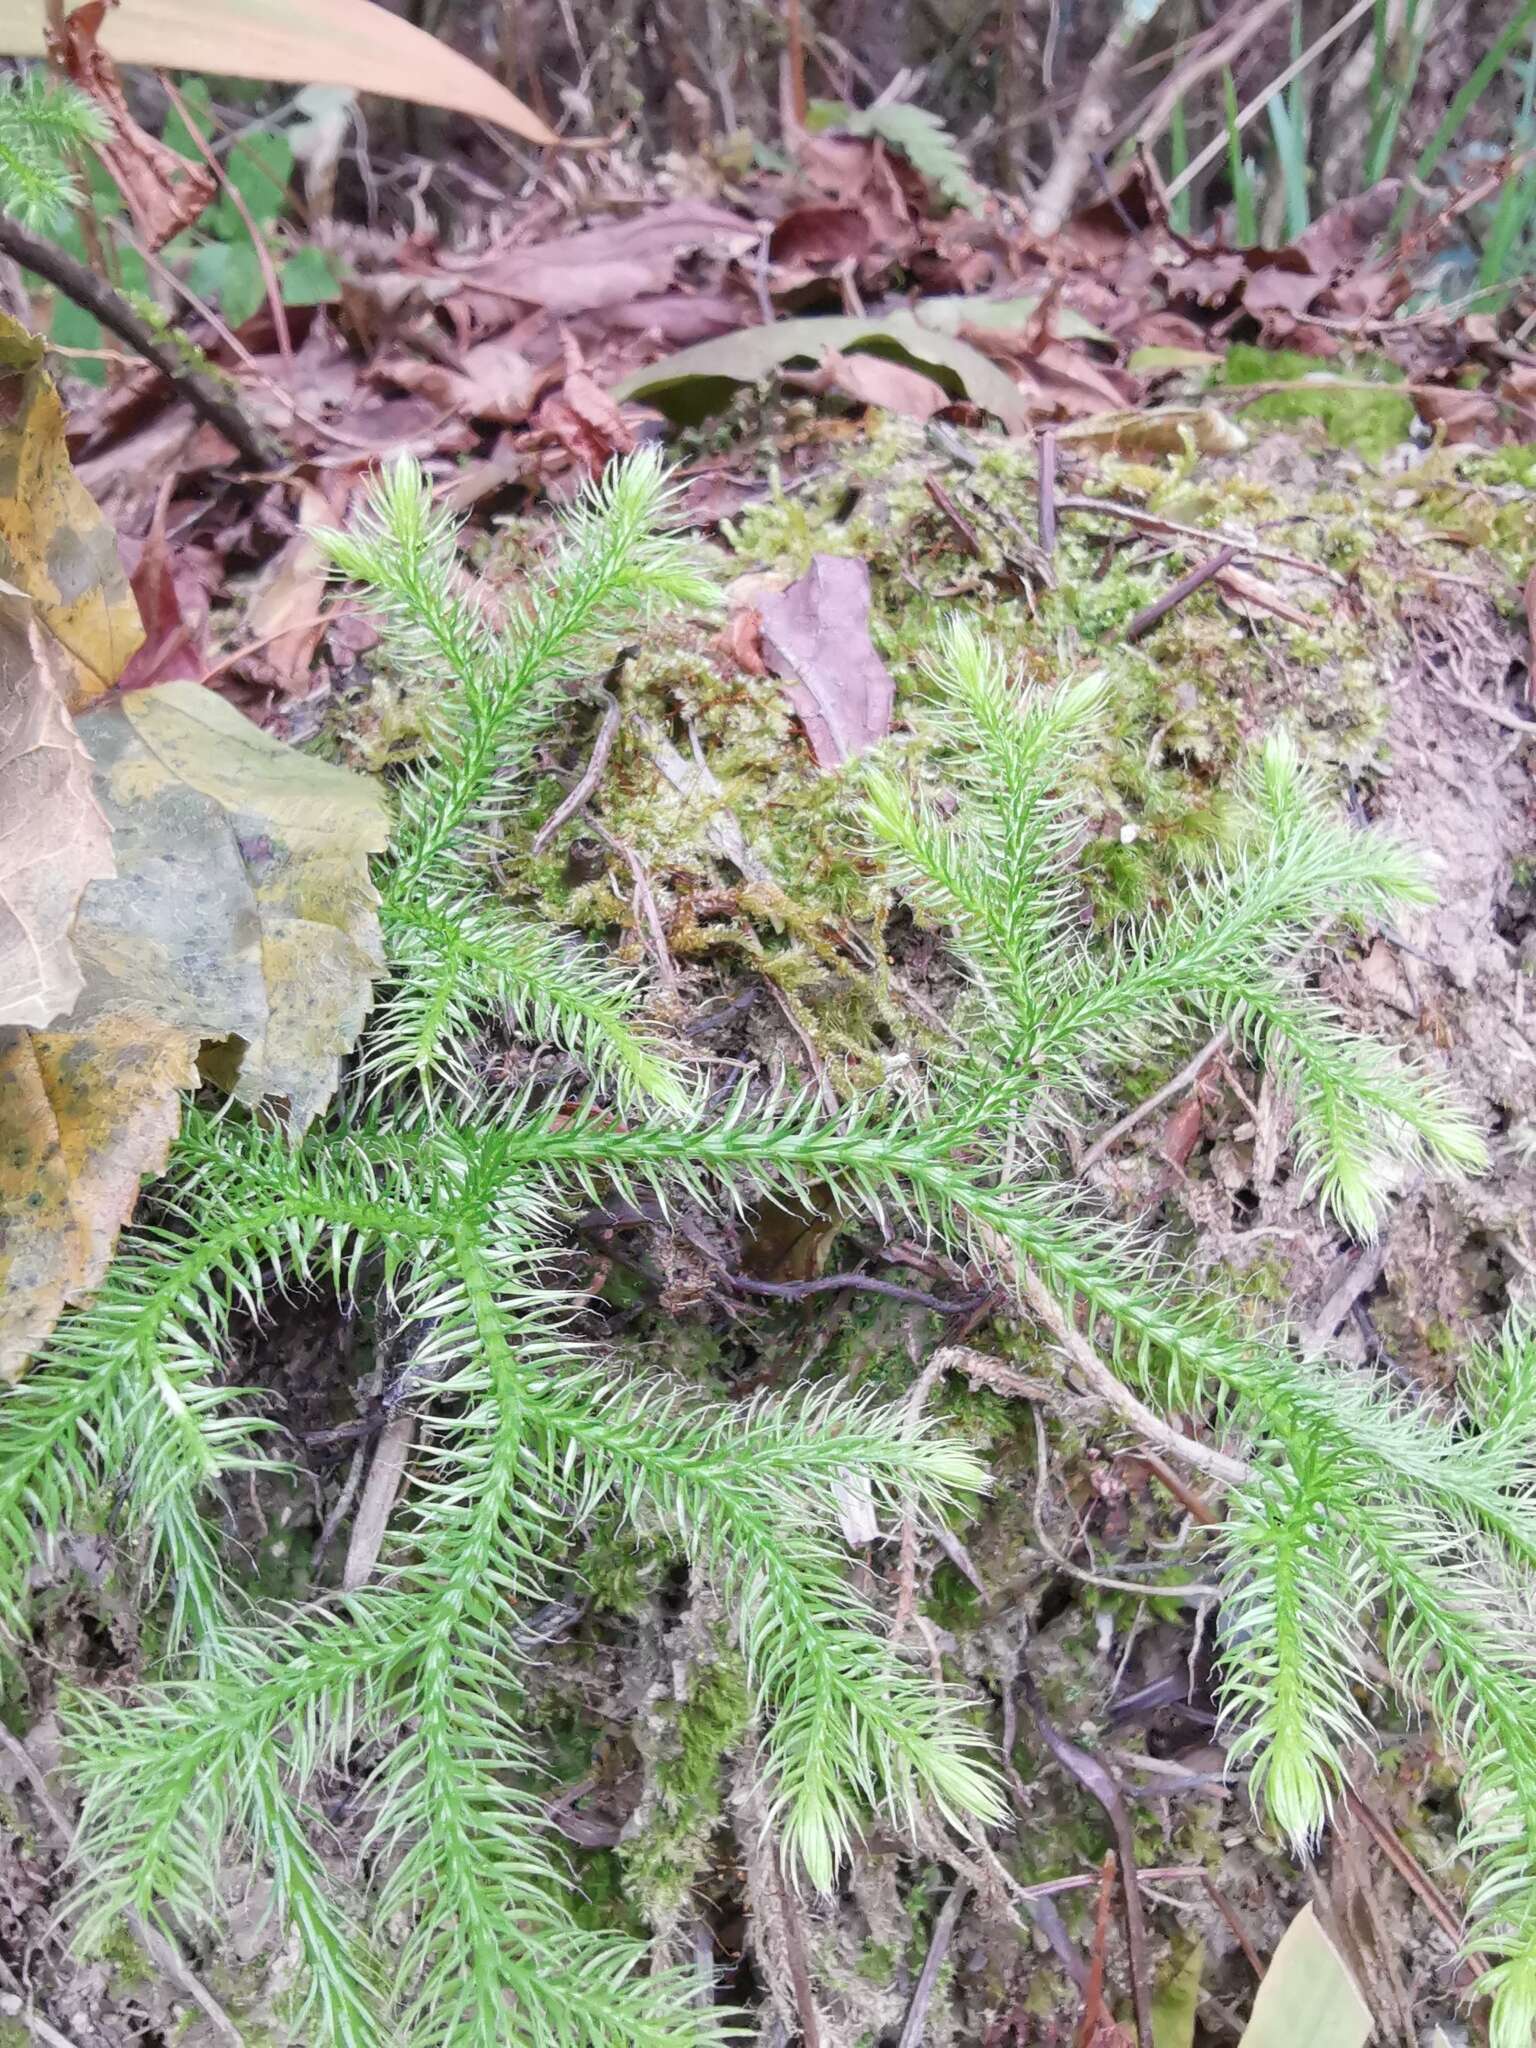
[1358,1529]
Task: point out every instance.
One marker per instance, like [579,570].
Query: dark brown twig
[1091,1774]
[953,514]
[860,1283]
[795,1956]
[1176,593]
[938,1948]
[1048,491]
[1234,1920]
[96,296]
[580,792]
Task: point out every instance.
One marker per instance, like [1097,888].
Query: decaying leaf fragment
[55,547]
[238,937]
[54,837]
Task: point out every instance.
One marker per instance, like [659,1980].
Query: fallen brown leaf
[1530,627]
[493,381]
[171,586]
[285,614]
[817,634]
[608,266]
[876,380]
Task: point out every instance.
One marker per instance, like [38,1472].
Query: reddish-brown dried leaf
[285,615]
[163,190]
[609,266]
[171,584]
[816,634]
[494,381]
[876,380]
[820,234]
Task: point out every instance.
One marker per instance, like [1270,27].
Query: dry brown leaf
[817,632]
[494,381]
[55,546]
[610,266]
[241,923]
[876,380]
[285,613]
[170,584]
[54,837]
[84,1118]
[1530,627]
[163,190]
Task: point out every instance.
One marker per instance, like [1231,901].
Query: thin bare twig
[1115,1394]
[580,793]
[1047,487]
[379,1495]
[1186,1075]
[1261,100]
[96,296]
[1176,593]
[1153,522]
[1097,1780]
[860,1283]
[1092,119]
[938,1948]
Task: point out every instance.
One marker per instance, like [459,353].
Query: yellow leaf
[55,547]
[84,1116]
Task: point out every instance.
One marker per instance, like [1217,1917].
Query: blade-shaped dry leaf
[1307,1995]
[301,42]
[55,547]
[240,926]
[54,837]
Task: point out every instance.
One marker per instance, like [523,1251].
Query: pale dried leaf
[1307,1995]
[54,838]
[238,937]
[318,42]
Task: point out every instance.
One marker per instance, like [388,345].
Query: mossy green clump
[1369,422]
[663,1855]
